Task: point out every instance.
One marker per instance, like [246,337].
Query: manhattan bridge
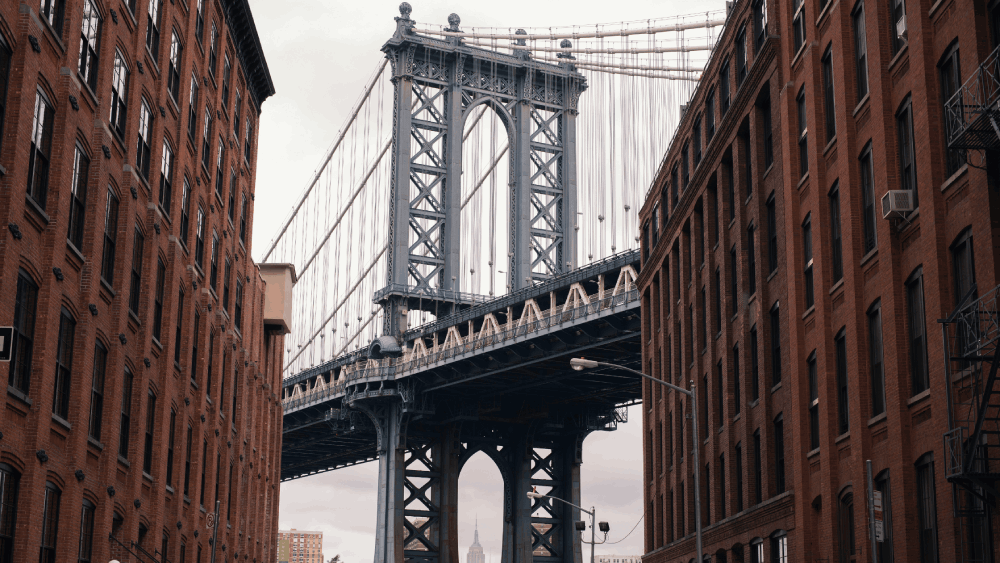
[473,227]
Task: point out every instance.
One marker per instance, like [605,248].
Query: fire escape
[972,443]
[972,115]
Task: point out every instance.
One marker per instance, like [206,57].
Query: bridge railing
[410,362]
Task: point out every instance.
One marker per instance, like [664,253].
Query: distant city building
[476,554]
[619,559]
[295,546]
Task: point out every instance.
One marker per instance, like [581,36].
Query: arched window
[50,523]
[87,531]
[779,547]
[757,550]
[9,484]
[845,528]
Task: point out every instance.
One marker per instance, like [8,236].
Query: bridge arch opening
[486,199]
[480,510]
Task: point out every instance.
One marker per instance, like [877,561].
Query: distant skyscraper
[475,550]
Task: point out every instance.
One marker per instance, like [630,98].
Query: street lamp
[592,512]
[580,364]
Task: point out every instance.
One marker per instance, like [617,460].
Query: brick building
[149,346]
[302,546]
[807,319]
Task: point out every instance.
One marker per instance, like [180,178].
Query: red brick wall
[28,427]
[911,426]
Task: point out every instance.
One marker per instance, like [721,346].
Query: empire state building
[475,550]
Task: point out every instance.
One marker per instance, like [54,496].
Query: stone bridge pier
[420,462]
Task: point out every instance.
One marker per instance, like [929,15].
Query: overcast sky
[320,54]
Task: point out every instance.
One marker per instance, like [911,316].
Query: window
[219,159]
[759,23]
[751,260]
[724,89]
[213,277]
[110,237]
[860,50]
[86,531]
[926,509]
[836,244]
[119,95]
[779,547]
[135,285]
[868,194]
[828,93]
[78,197]
[709,116]
[126,416]
[813,402]
[885,546]
[673,184]
[738,402]
[775,315]
[195,336]
[199,239]
[734,280]
[845,521]
[25,304]
[758,475]
[696,136]
[64,365]
[153,30]
[164,546]
[177,332]
[727,166]
[897,24]
[147,456]
[720,395]
[161,273]
[90,37]
[97,390]
[192,108]
[174,72]
[225,285]
[206,145]
[5,60]
[199,22]
[741,57]
[685,172]
[185,210]
[875,358]
[53,12]
[226,72]
[142,151]
[204,469]
[9,485]
[249,141]
[237,108]
[41,149]
[800,102]
[243,220]
[840,346]
[779,455]
[798,25]
[747,164]
[187,461]
[722,489]
[50,523]
[950,73]
[964,272]
[754,363]
[919,378]
[213,52]
[772,235]
[907,163]
[232,196]
[807,258]
[170,448]
[717,324]
[768,134]
[238,307]
[166,177]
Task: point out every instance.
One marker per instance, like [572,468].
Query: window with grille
[78,197]
[119,95]
[54,13]
[166,177]
[174,70]
[142,151]
[40,150]
[90,37]
[153,30]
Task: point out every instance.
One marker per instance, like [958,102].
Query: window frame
[25,308]
[860,30]
[97,390]
[90,40]
[63,382]
[916,320]
[876,359]
[40,151]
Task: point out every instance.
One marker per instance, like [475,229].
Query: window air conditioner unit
[898,202]
[901,27]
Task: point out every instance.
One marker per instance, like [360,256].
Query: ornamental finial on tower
[405,10]
[565,44]
[453,21]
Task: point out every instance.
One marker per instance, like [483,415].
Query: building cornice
[244,33]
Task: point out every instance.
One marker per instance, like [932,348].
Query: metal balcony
[972,115]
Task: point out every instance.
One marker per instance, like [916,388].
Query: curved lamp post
[580,364]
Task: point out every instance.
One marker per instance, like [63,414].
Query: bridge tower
[437,84]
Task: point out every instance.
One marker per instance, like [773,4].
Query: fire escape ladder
[972,114]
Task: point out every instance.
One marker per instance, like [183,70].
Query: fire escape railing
[972,443]
[972,114]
